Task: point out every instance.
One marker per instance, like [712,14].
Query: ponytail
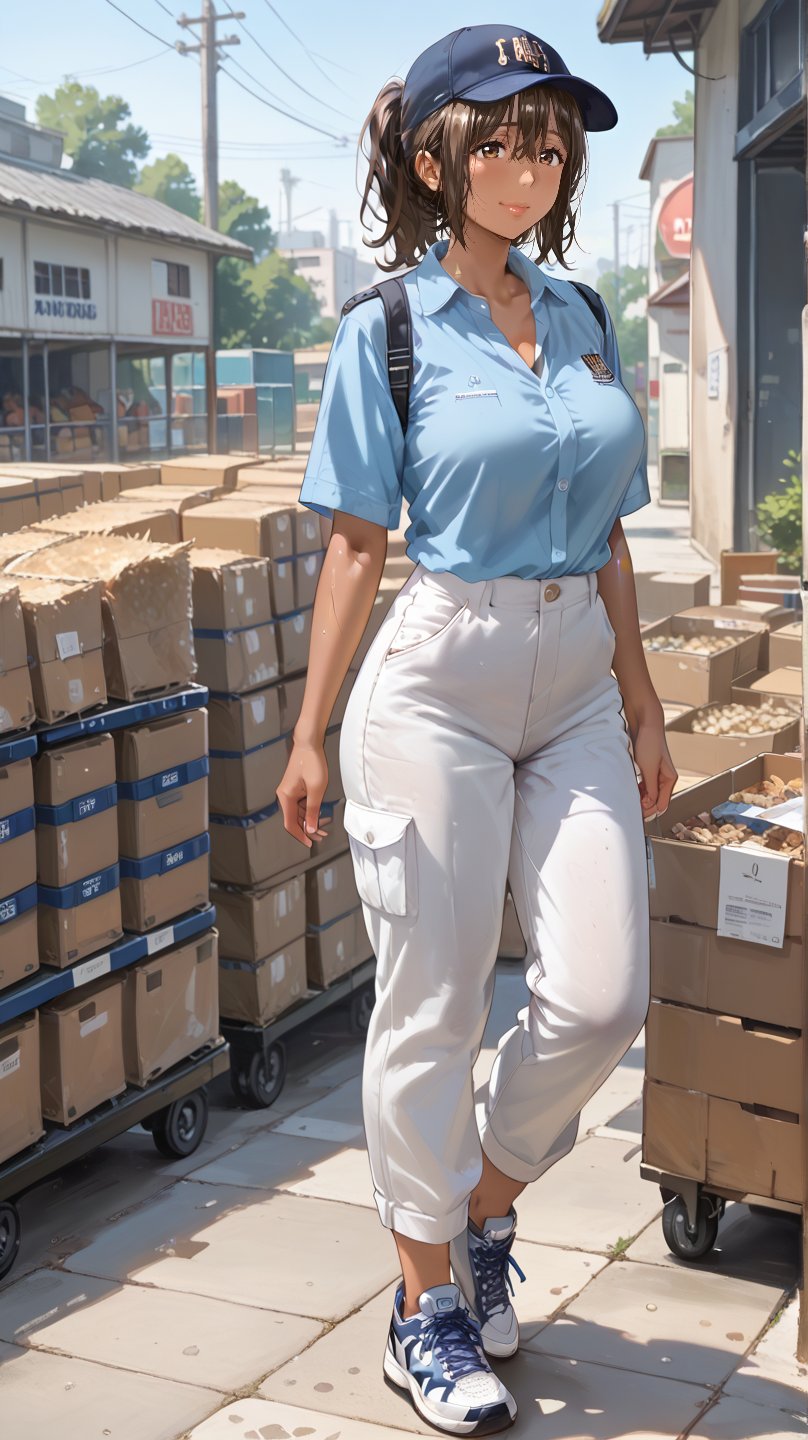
[408,209]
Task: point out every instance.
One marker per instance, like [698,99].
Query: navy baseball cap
[489,62]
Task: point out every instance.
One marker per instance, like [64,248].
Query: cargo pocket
[383,851]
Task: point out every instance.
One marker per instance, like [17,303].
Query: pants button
[552,592]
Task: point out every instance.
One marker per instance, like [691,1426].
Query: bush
[779,516]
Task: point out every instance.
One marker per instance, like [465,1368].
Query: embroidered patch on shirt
[476,394]
[599,368]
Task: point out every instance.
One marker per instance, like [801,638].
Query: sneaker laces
[489,1256]
[455,1339]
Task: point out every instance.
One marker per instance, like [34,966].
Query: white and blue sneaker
[479,1261]
[438,1357]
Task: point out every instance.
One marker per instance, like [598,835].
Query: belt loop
[593,586]
[479,598]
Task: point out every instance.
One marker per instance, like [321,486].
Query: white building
[335,274]
[105,298]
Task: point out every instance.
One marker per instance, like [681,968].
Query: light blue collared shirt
[505,471]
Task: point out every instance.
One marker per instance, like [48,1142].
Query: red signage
[675,222]
[172,317]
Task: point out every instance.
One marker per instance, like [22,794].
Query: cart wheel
[178,1129]
[238,1082]
[362,1002]
[9,1236]
[267,1073]
[687,1244]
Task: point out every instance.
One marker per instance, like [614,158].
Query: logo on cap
[525,48]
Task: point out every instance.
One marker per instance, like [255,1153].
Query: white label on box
[329,878]
[280,903]
[277,968]
[282,522]
[790,814]
[67,644]
[298,624]
[752,891]
[283,568]
[9,1065]
[649,851]
[721,623]
[75,691]
[97,1022]
[249,607]
[310,563]
[159,939]
[239,583]
[251,641]
[258,705]
[90,970]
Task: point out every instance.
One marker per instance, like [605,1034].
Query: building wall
[334,275]
[137,287]
[670,161]
[714,282]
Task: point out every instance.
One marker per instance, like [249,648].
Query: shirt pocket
[382,844]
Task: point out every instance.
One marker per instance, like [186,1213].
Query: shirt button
[549,390]
[563,484]
[370,837]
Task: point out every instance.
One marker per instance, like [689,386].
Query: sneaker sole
[399,1378]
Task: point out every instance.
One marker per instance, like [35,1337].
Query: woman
[483,739]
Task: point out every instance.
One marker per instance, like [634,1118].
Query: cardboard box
[294,639]
[162,769]
[204,469]
[663,593]
[242,782]
[18,503]
[259,991]
[20,1104]
[76,815]
[16,699]
[330,890]
[746,615]
[159,524]
[17,844]
[785,647]
[255,923]
[723,1055]
[157,888]
[673,710]
[170,1008]
[701,754]
[19,950]
[335,789]
[291,691]
[230,590]
[64,636]
[253,849]
[699,679]
[114,477]
[174,497]
[146,607]
[78,920]
[691,965]
[735,563]
[684,878]
[25,542]
[243,722]
[81,1050]
[252,529]
[334,949]
[233,661]
[720,1142]
[306,570]
[305,523]
[511,941]
[784,683]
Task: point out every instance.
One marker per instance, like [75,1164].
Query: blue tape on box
[20,823]
[66,897]
[14,905]
[229,635]
[83,807]
[166,780]
[164,860]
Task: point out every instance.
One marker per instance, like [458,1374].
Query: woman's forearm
[346,589]
[619,595]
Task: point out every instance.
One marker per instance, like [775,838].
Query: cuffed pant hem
[434,1229]
[509,1164]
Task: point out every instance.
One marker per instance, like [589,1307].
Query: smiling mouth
[514,209]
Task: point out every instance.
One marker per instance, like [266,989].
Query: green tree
[242,217]
[631,331]
[170,180]
[779,516]
[286,306]
[685,112]
[98,138]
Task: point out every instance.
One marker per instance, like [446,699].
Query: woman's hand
[300,793]
[652,757]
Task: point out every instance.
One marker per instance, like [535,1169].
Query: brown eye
[490,149]
[553,151]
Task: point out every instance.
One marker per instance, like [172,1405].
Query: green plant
[620,1246]
[779,516]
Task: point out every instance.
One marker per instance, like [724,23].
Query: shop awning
[673,293]
[654,22]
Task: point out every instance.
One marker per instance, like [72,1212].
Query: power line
[144,28]
[169,13]
[343,139]
[255,80]
[286,74]
[296,37]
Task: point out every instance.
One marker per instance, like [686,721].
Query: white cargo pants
[484,739]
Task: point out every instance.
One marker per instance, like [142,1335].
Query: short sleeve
[357,451]
[638,492]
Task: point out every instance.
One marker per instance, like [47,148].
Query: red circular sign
[675,222]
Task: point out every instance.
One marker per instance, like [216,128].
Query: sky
[328,73]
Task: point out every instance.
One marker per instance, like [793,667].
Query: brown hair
[415,216]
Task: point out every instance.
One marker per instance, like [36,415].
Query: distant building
[333,273]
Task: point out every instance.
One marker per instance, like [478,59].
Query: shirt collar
[436,287]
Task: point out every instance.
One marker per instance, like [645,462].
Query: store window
[71,281]
[171,279]
[306,262]
[772,48]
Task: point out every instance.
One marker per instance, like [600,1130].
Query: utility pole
[208,51]
[616,209]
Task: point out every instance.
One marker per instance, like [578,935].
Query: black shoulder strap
[594,301]
[393,295]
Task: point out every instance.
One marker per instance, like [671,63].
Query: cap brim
[597,110]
